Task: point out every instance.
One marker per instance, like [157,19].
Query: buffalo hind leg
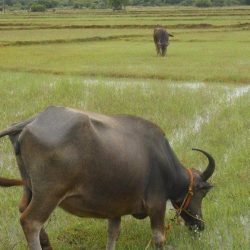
[44,240]
[32,220]
[164,50]
[26,198]
[157,47]
[158,228]
[113,232]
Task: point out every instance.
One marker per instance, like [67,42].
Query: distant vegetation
[42,5]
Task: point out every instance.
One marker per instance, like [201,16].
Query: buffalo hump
[56,124]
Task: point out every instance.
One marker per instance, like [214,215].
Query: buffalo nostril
[201,226]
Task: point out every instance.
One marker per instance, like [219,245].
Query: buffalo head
[189,205]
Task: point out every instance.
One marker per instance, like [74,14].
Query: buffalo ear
[204,186]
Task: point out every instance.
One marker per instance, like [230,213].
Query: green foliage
[36,7]
[118,4]
[203,3]
[9,2]
[172,1]
[48,3]
[187,2]
[218,2]
[92,4]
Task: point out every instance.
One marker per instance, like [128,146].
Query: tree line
[43,5]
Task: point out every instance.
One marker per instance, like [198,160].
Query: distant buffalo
[161,37]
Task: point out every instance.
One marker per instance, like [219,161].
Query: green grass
[8,36]
[196,60]
[169,15]
[215,118]
[101,43]
[199,95]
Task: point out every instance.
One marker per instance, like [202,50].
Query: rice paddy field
[104,61]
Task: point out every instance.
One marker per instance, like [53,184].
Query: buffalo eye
[204,187]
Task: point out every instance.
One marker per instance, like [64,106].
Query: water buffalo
[93,165]
[161,38]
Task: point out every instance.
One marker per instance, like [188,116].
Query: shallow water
[231,94]
[239,91]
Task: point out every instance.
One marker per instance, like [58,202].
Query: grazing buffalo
[161,37]
[93,165]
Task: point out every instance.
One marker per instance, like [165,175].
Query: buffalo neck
[179,175]
[180,184]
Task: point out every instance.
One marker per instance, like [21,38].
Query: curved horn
[211,165]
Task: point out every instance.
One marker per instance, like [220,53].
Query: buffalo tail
[17,127]
[14,129]
[4,182]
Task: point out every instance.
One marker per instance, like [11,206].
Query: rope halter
[187,199]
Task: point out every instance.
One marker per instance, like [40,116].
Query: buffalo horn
[211,165]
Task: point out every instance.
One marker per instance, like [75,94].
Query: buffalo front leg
[113,232]
[158,228]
